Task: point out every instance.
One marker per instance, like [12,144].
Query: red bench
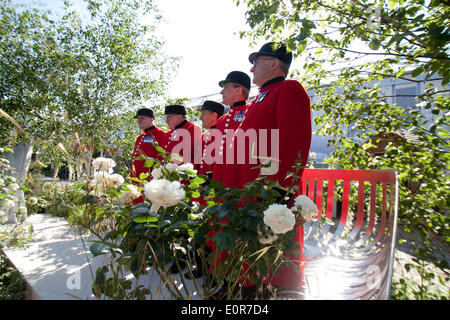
[353,257]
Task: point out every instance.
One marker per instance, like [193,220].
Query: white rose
[8,204]
[312,155]
[129,196]
[279,218]
[115,180]
[3,218]
[102,177]
[163,193]
[171,166]
[157,173]
[13,187]
[186,166]
[33,200]
[307,207]
[105,164]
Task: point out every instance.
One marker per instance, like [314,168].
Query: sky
[204,33]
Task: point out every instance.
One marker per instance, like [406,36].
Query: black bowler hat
[237,76]
[175,109]
[145,112]
[273,49]
[213,106]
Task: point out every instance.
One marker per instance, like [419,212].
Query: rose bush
[254,226]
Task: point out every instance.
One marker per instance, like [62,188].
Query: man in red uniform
[211,112]
[144,144]
[184,137]
[282,113]
[235,92]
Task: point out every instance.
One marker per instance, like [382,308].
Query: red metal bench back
[363,207]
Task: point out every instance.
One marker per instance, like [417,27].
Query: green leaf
[374,44]
[148,163]
[145,219]
[392,4]
[199,180]
[140,211]
[417,72]
[99,248]
[143,176]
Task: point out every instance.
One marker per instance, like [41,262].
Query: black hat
[175,109]
[273,49]
[145,112]
[213,106]
[237,76]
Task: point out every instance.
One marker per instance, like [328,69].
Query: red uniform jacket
[144,147]
[282,108]
[185,140]
[227,124]
[209,139]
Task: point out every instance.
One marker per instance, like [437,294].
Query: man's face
[209,118]
[144,122]
[173,120]
[230,93]
[263,68]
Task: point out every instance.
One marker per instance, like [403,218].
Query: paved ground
[55,263]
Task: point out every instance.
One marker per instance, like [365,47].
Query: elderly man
[144,143]
[282,111]
[183,137]
[211,112]
[235,92]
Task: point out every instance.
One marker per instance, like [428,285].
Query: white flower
[8,204]
[312,155]
[2,182]
[186,166]
[22,209]
[163,193]
[157,173]
[33,200]
[104,164]
[129,196]
[115,180]
[171,166]
[13,186]
[307,207]
[3,218]
[102,177]
[279,218]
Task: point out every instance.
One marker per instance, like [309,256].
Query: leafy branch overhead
[347,51]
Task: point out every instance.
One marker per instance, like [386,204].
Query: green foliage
[72,83]
[151,234]
[405,40]
[12,286]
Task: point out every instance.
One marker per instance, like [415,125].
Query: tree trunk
[20,160]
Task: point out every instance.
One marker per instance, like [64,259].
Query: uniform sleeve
[196,151]
[294,123]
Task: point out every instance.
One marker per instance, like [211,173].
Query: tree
[368,41]
[82,75]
